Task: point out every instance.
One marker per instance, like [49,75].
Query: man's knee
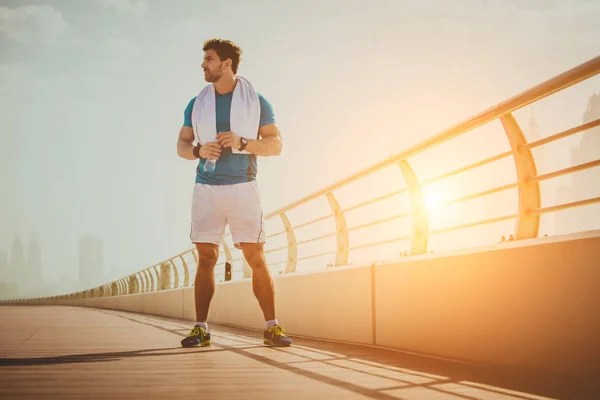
[208,254]
[254,254]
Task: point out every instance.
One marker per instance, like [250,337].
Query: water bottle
[210,165]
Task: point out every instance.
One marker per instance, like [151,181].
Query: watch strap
[197,150]
[243,143]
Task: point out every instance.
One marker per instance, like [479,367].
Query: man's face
[212,66]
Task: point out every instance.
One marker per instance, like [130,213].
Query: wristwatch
[243,143]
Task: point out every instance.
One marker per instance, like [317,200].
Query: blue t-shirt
[231,168]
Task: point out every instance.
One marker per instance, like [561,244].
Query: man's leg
[245,219]
[208,227]
[204,284]
[264,290]
[262,284]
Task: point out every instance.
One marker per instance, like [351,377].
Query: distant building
[33,271]
[17,258]
[583,183]
[91,261]
[3,265]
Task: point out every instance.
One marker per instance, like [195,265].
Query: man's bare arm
[185,143]
[268,145]
[185,146]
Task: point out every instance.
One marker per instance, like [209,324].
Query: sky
[92,96]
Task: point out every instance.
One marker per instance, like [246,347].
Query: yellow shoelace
[197,331]
[279,331]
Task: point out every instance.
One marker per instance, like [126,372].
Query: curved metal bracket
[292,250]
[528,225]
[228,256]
[157,276]
[343,248]
[146,279]
[420,218]
[142,279]
[176,274]
[133,284]
[165,276]
[186,272]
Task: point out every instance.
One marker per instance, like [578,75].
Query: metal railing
[288,243]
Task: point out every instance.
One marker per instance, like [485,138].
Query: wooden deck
[70,352]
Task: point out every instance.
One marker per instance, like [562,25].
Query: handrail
[178,271]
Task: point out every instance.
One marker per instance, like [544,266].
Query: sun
[434,199]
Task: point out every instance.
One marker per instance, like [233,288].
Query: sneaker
[198,336]
[275,336]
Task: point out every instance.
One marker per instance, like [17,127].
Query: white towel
[244,118]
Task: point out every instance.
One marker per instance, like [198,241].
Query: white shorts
[216,206]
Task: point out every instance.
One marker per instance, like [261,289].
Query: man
[229,194]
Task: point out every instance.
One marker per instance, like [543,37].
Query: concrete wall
[531,304]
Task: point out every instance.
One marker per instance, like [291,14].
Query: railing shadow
[385,374]
[95,357]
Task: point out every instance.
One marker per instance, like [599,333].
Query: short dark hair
[225,49]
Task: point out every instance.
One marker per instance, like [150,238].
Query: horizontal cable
[275,249]
[277,263]
[312,222]
[564,206]
[362,246]
[565,171]
[316,255]
[317,238]
[366,203]
[466,168]
[480,194]
[561,135]
[275,234]
[472,224]
[381,221]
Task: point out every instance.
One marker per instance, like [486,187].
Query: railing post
[420,218]
[158,279]
[343,247]
[175,273]
[292,250]
[152,287]
[148,279]
[228,257]
[528,225]
[133,284]
[165,276]
[142,281]
[186,272]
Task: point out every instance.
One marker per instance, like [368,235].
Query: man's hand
[229,139]
[210,150]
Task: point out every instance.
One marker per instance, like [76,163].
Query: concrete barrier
[529,304]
